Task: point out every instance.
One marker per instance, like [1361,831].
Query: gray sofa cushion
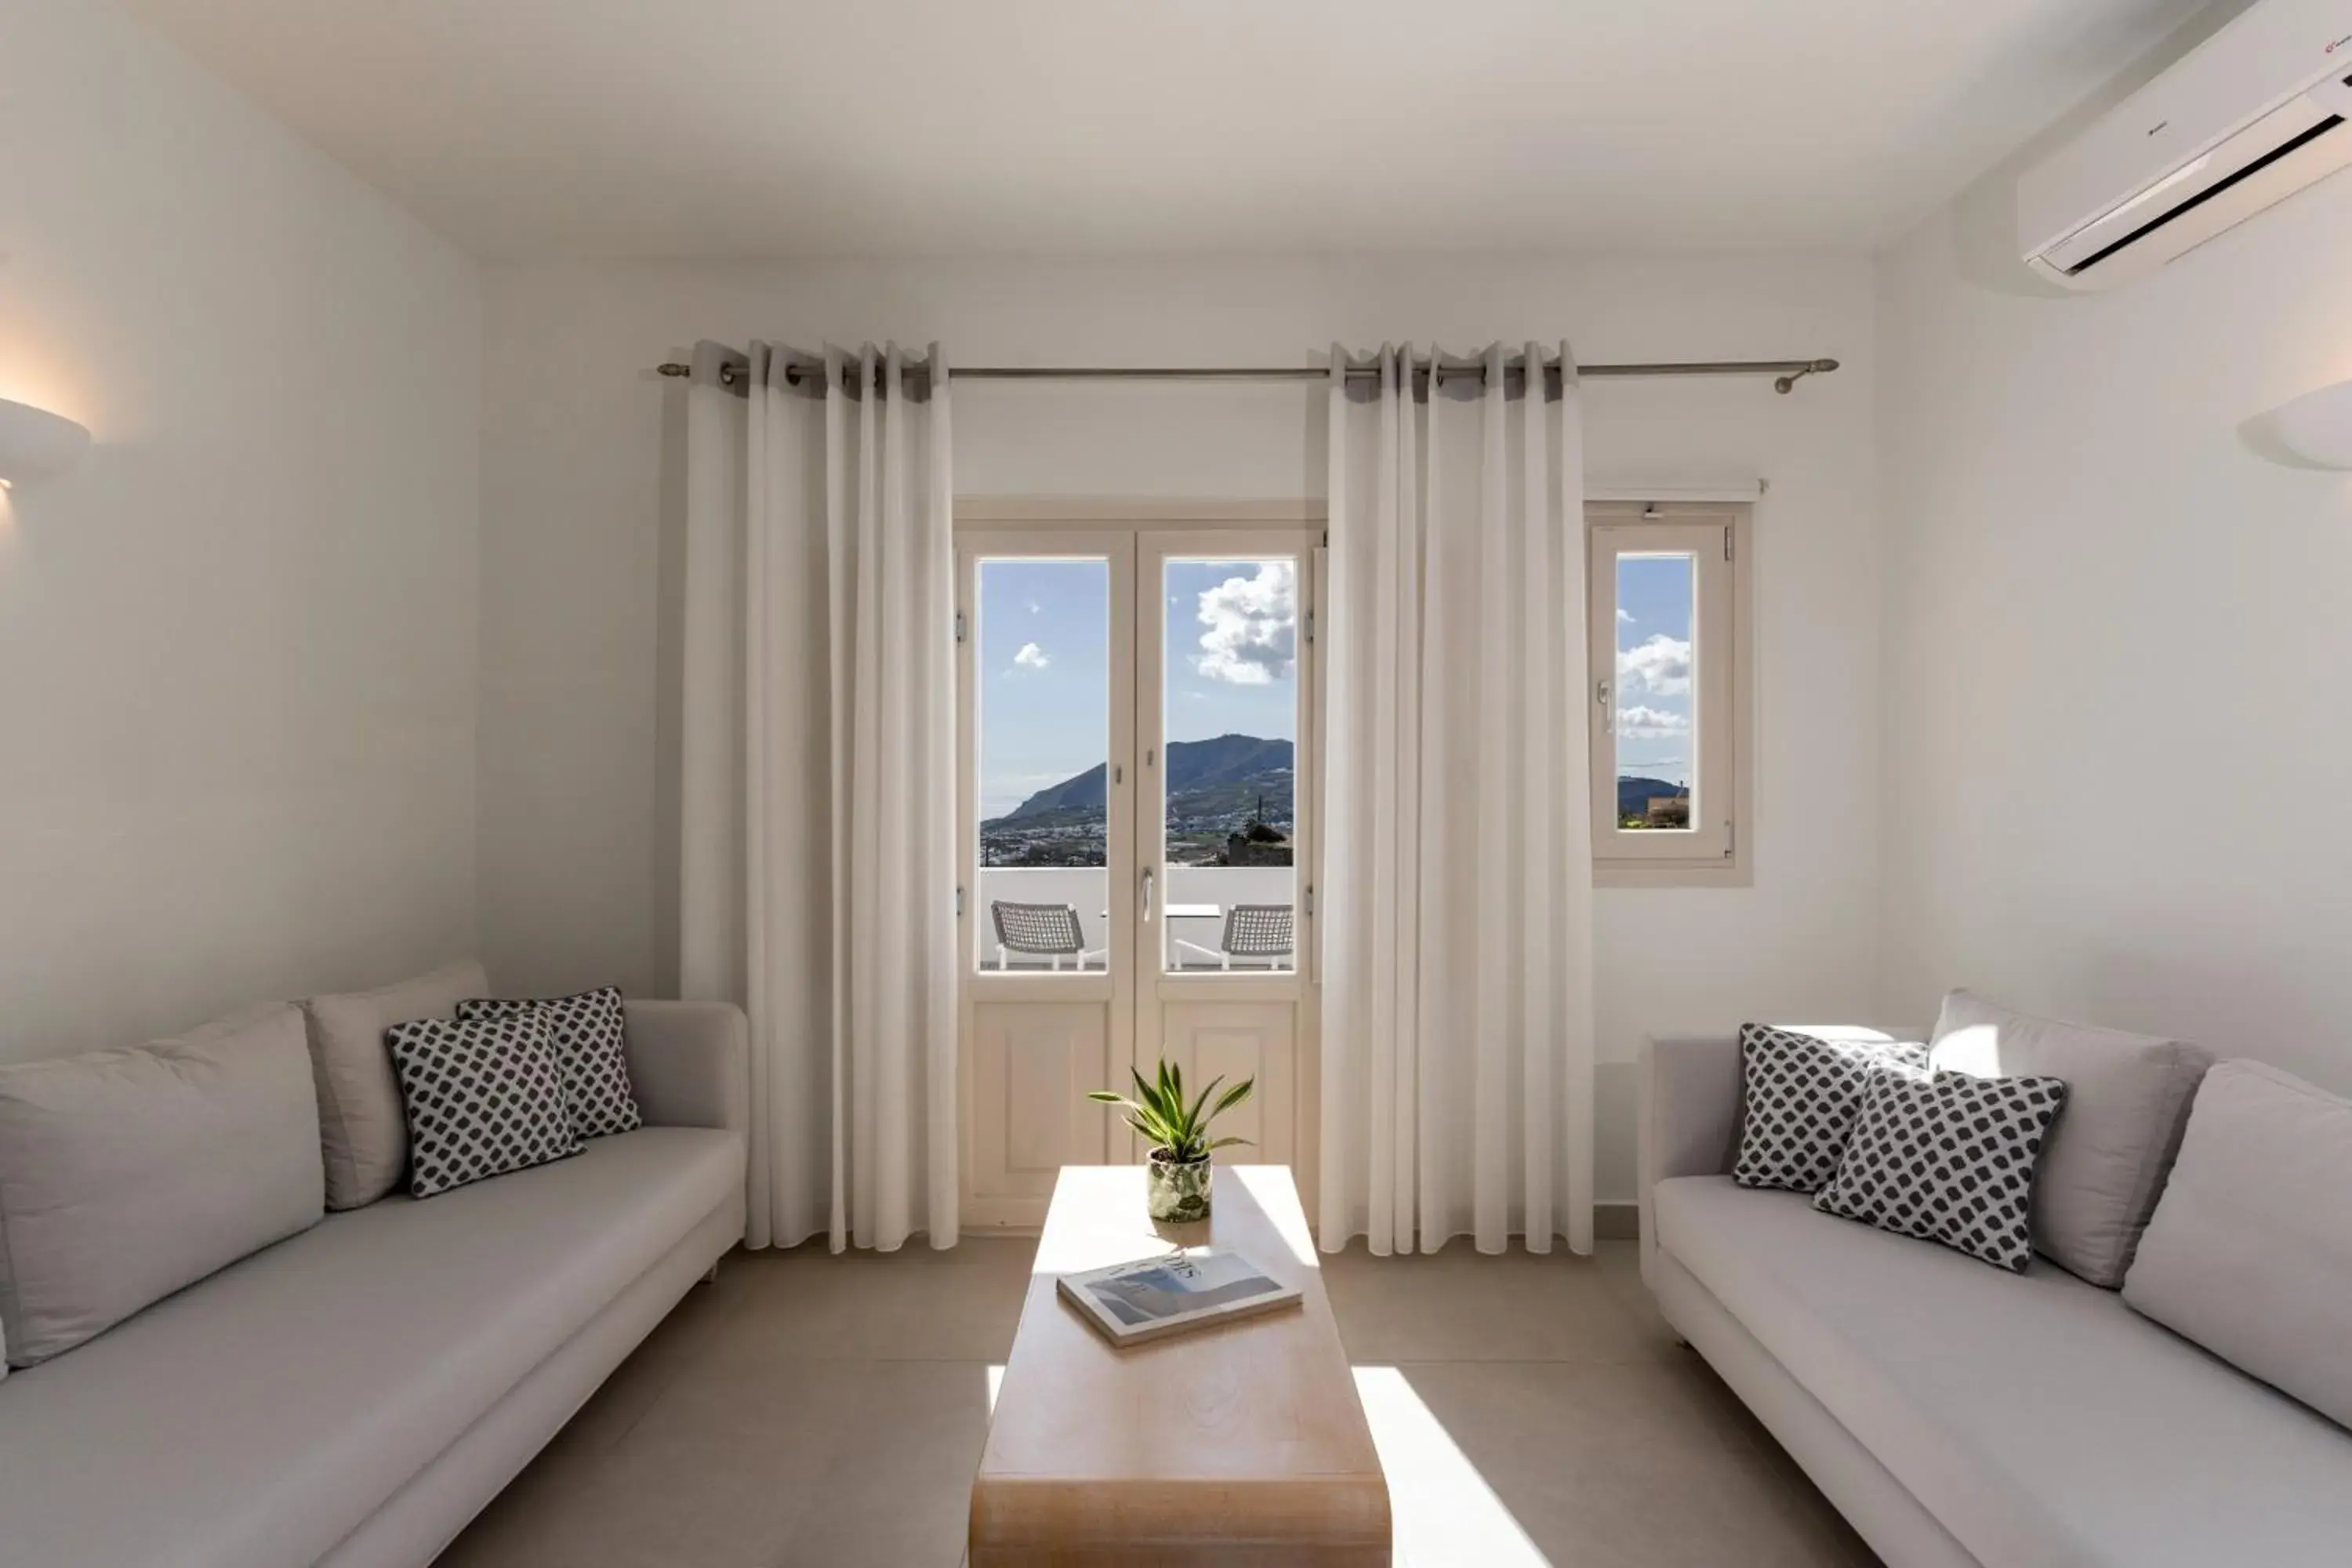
[592,1034]
[127,1174]
[1948,1159]
[2038,1417]
[2128,1098]
[254,1422]
[483,1096]
[1803,1095]
[361,1131]
[2250,1253]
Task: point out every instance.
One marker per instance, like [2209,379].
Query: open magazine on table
[1179,1290]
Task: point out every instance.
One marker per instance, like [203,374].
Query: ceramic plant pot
[1178,1190]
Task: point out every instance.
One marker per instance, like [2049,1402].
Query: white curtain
[816,879]
[1457,924]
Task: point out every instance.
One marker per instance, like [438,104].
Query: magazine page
[1136,1300]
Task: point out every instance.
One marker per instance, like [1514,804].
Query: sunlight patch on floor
[1441,1509]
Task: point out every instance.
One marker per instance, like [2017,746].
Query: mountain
[1082,794]
[1226,765]
[1228,759]
[1208,778]
[1633,794]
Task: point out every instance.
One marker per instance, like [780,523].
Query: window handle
[1147,895]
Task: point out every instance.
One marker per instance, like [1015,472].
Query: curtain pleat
[815,881]
[1457,926]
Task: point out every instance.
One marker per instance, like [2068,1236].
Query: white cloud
[1660,667]
[1640,723]
[1252,626]
[1624,616]
[1031,657]
[1035,608]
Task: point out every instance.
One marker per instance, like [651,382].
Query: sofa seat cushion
[2127,1098]
[2249,1254]
[362,1133]
[2040,1420]
[126,1175]
[259,1416]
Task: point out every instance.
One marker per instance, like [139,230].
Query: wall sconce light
[2315,431]
[36,443]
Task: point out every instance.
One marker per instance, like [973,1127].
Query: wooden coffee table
[1243,1444]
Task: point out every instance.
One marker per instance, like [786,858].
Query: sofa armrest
[1687,1117]
[690,1064]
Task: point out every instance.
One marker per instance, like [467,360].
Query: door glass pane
[1653,708]
[1231,711]
[1042,695]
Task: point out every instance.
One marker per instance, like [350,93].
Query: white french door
[1137,709]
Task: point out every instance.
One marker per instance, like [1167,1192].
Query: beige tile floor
[809,1409]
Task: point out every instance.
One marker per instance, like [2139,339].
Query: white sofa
[356,1394]
[1957,1414]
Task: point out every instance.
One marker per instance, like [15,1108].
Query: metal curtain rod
[1786,373]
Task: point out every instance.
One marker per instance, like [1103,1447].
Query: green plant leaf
[1233,1097]
[1193,1118]
[1160,1114]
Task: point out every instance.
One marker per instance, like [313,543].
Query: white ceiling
[754,128]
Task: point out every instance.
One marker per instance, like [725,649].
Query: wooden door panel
[1033,1063]
[1239,1040]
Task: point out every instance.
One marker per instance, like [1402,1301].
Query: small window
[1669,743]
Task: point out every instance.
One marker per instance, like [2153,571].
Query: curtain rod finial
[1787,382]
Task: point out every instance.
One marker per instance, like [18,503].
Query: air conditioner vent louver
[2247,118]
[2206,195]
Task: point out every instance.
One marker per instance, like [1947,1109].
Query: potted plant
[1176,1177]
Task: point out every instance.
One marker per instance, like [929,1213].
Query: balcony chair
[1043,931]
[1252,932]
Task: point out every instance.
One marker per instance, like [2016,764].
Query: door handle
[1147,895]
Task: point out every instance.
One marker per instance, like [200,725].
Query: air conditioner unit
[2253,114]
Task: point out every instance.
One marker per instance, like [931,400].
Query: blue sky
[1653,666]
[1043,669]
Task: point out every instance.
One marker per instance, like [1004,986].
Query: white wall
[237,653]
[2116,638]
[580,561]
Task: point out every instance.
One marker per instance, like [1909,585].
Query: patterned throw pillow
[1803,1094]
[484,1095]
[588,1030]
[1948,1158]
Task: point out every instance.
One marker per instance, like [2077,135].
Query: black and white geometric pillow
[590,1032]
[1803,1095]
[1948,1158]
[484,1095]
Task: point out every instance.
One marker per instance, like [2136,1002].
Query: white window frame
[1716,849]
